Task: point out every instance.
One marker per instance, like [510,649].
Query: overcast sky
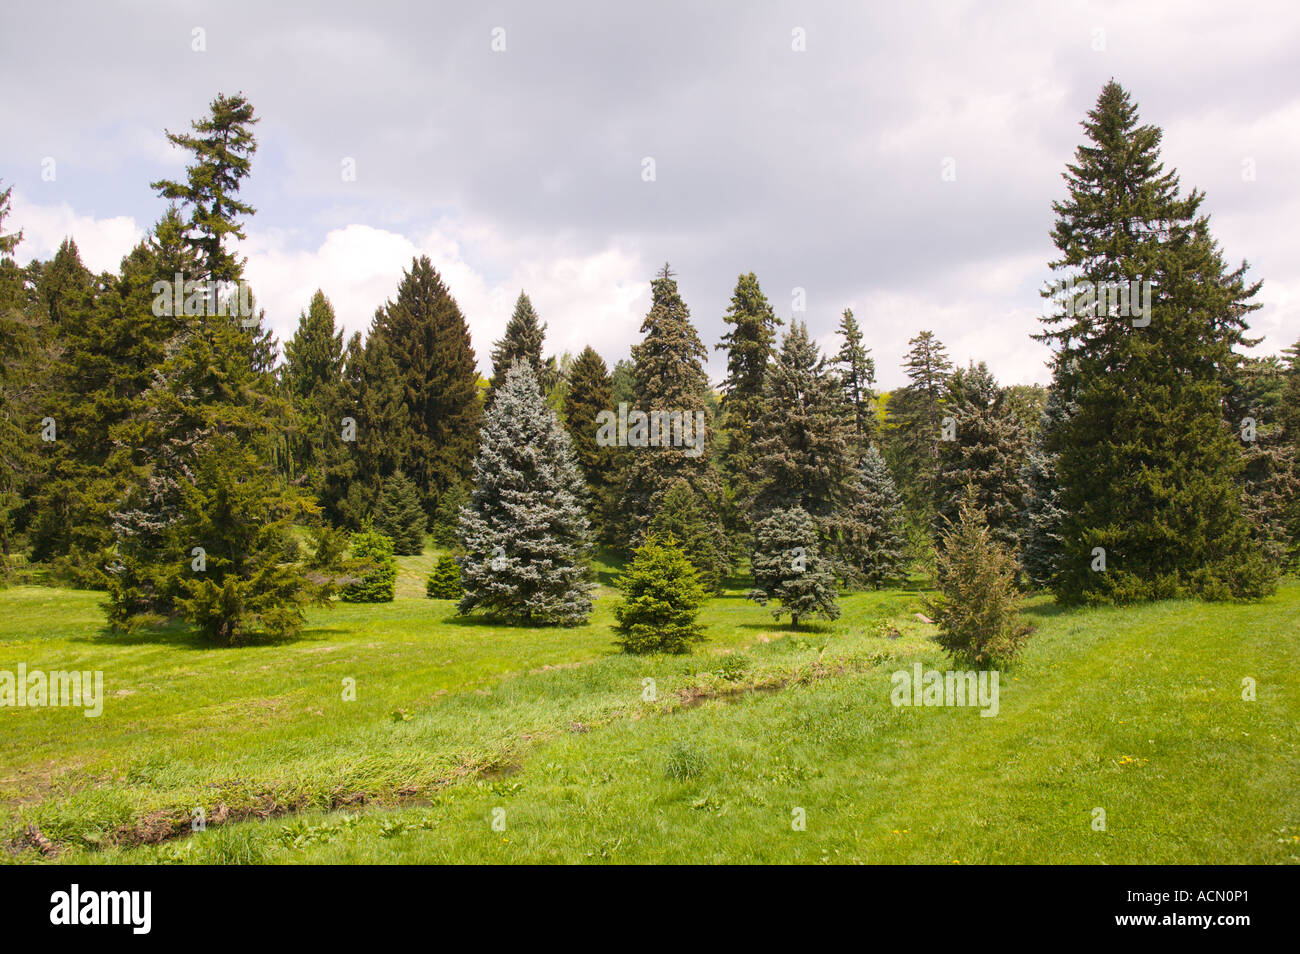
[818,168]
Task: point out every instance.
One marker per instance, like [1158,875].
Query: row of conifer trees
[171,457]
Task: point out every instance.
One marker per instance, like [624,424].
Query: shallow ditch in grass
[165,825]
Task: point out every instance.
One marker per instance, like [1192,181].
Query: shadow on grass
[785,629]
[180,636]
[1046,609]
[484,621]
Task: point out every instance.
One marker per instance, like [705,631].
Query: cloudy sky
[803,141]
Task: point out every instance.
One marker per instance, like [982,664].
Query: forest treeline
[158,442]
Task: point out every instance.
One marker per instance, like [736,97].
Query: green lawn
[549,732]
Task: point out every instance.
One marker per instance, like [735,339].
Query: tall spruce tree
[1289,402]
[222,146]
[1146,466]
[788,568]
[749,345]
[400,517]
[986,452]
[857,370]
[67,509]
[525,535]
[1270,478]
[804,454]
[522,341]
[875,544]
[1040,521]
[206,519]
[19,372]
[588,394]
[382,437]
[427,338]
[915,412]
[670,380]
[681,517]
[313,375]
[112,339]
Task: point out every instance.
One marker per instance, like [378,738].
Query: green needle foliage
[661,602]
[670,377]
[525,533]
[223,145]
[373,569]
[986,452]
[525,333]
[875,542]
[978,606]
[681,517]
[588,394]
[400,517]
[1148,471]
[243,589]
[444,580]
[788,569]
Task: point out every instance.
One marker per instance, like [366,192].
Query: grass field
[564,745]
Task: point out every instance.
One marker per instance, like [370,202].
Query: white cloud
[597,299]
[101,242]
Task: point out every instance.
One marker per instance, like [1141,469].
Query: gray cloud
[817,169]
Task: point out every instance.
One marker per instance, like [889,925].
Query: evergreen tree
[446,519]
[64,286]
[523,339]
[444,580]
[1040,524]
[113,335]
[670,380]
[19,348]
[427,338]
[788,568]
[241,587]
[524,533]
[1289,400]
[1288,415]
[749,345]
[987,451]
[587,395]
[622,383]
[222,146]
[978,606]
[803,444]
[1147,468]
[400,517]
[681,517]
[1270,479]
[382,437]
[857,372]
[661,601]
[67,513]
[199,450]
[206,519]
[915,413]
[313,376]
[875,544]
[338,475]
[373,570]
